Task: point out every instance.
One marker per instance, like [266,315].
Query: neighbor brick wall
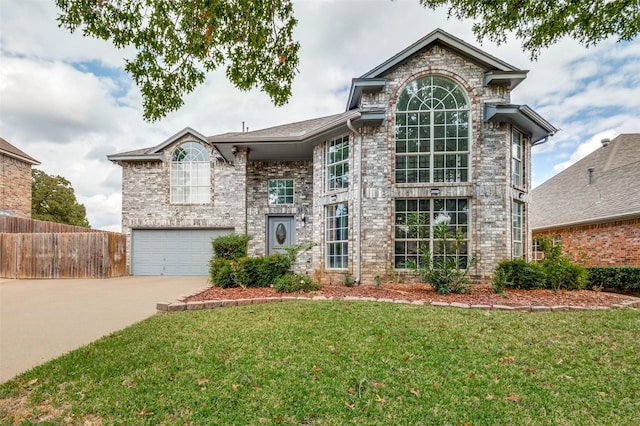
[15,186]
[604,244]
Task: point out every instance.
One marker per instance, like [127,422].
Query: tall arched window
[432,132]
[190,174]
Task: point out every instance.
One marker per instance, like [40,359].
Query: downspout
[357,231]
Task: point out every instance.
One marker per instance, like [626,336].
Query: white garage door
[175,252]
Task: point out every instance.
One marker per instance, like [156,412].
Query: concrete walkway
[43,319]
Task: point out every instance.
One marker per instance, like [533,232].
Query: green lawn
[335,363]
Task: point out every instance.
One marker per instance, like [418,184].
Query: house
[593,206]
[431,132]
[15,180]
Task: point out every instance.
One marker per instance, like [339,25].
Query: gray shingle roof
[614,191]
[11,151]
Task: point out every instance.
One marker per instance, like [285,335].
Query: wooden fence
[37,249]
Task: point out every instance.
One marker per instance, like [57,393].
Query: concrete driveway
[43,319]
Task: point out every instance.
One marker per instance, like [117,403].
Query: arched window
[190,174]
[432,132]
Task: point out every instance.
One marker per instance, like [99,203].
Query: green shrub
[248,271]
[520,274]
[290,283]
[617,278]
[561,273]
[221,273]
[231,247]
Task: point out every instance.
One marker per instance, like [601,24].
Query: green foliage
[541,23]
[617,278]
[292,252]
[178,42]
[54,200]
[444,270]
[554,272]
[347,280]
[248,271]
[519,274]
[560,272]
[231,247]
[291,283]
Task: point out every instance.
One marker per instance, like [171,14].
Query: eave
[363,85]
[116,158]
[19,157]
[523,117]
[512,78]
[586,222]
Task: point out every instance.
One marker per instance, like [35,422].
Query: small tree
[444,268]
[54,200]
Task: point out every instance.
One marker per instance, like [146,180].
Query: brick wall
[15,186]
[600,244]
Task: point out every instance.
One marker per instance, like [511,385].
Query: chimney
[590,175]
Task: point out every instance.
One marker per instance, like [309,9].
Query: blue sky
[66,100]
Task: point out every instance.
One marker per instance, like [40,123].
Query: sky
[66,100]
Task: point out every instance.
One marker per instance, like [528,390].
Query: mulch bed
[481,295]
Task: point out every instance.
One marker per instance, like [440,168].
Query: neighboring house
[429,133]
[15,180]
[593,206]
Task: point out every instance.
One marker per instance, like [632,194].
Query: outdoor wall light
[521,196]
[434,191]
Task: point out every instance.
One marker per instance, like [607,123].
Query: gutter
[587,222]
[357,231]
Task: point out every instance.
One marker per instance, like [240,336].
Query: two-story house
[429,133]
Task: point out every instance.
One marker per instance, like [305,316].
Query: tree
[177,42]
[54,200]
[541,23]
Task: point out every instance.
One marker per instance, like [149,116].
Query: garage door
[172,251]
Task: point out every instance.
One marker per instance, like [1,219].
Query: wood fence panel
[63,255]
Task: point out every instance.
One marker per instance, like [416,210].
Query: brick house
[430,132]
[15,180]
[593,206]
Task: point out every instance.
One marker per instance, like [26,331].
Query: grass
[335,363]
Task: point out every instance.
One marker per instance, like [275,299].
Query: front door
[281,232]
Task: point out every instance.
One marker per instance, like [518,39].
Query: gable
[11,151]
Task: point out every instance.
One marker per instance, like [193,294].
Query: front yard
[341,362]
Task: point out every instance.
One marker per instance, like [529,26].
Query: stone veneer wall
[258,208]
[15,186]
[488,190]
[614,243]
[146,192]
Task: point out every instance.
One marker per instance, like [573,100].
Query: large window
[414,221]
[517,229]
[516,156]
[337,220]
[280,191]
[432,132]
[338,163]
[190,174]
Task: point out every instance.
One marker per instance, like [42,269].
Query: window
[517,229]
[337,220]
[190,174]
[280,191]
[516,155]
[414,221]
[338,163]
[432,132]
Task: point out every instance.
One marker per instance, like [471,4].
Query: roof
[11,151]
[613,194]
[523,117]
[497,71]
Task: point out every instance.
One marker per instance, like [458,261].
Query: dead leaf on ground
[235,387]
[202,381]
[489,397]
[512,397]
[415,392]
[352,406]
[316,368]
[381,399]
[507,359]
[144,412]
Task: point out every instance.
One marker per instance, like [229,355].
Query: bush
[561,273]
[617,278]
[230,247]
[518,273]
[248,271]
[290,283]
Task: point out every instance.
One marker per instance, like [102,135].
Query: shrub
[617,278]
[561,273]
[231,247]
[520,274]
[248,271]
[290,283]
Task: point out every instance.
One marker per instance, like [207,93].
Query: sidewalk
[43,319]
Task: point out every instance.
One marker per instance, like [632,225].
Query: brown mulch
[481,295]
